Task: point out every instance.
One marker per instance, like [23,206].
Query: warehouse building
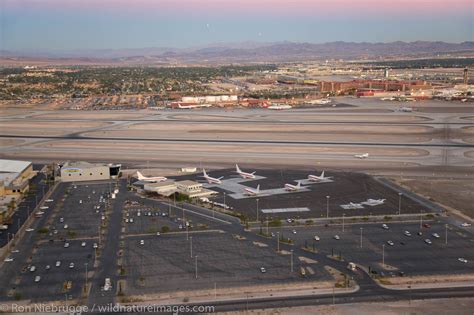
[15,176]
[84,171]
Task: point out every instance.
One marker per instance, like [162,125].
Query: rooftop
[13,166]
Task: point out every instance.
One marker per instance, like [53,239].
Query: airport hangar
[84,171]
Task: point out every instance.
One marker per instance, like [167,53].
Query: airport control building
[84,171]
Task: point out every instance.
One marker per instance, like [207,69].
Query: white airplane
[316,178]
[374,202]
[150,179]
[252,192]
[243,174]
[362,156]
[291,187]
[211,180]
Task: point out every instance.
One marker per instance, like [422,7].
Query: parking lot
[163,263]
[344,189]
[68,232]
[409,254]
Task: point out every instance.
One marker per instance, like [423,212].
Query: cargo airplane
[150,179]
[244,174]
[362,156]
[252,192]
[211,180]
[291,187]
[316,178]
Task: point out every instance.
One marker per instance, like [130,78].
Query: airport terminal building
[84,171]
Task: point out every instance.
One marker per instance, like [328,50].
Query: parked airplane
[374,202]
[211,180]
[362,156]
[252,192]
[316,178]
[243,174]
[150,179]
[291,187]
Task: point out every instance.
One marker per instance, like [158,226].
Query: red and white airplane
[316,178]
[291,187]
[150,179]
[252,192]
[211,180]
[244,174]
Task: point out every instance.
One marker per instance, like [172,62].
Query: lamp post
[196,266]
[343,222]
[257,210]
[446,234]
[86,277]
[383,255]
[191,245]
[399,203]
[291,264]
[327,206]
[361,237]
[278,242]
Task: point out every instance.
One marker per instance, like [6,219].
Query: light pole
[343,222]
[224,201]
[257,210]
[421,219]
[187,233]
[278,242]
[267,226]
[399,203]
[327,206]
[446,234]
[196,266]
[383,255]
[191,245]
[291,264]
[86,278]
[361,237]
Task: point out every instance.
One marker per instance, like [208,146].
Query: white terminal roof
[12,166]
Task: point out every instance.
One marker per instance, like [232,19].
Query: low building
[166,188]
[84,171]
[15,176]
[193,189]
[14,181]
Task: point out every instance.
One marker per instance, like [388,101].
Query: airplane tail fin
[220,177]
[258,188]
[204,172]
[140,175]
[237,168]
[322,174]
[299,184]
[253,173]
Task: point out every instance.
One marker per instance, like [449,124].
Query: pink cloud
[253,7]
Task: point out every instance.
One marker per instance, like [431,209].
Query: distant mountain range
[249,52]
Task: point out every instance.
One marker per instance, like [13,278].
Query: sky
[64,25]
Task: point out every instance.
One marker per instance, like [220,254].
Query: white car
[95,246]
[465,224]
[83,244]
[44,207]
[316,238]
[8,260]
[71,265]
[294,231]
[428,241]
[66,226]
[385,226]
[407,233]
[58,263]
[158,234]
[435,235]
[142,242]
[463,260]
[61,220]
[66,245]
[263,270]
[131,220]
[29,230]
[49,200]
[32,269]
[15,251]
[48,267]
[337,237]
[37,279]
[390,243]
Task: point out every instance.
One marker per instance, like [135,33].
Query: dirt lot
[457,194]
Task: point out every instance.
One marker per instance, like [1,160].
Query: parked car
[428,241]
